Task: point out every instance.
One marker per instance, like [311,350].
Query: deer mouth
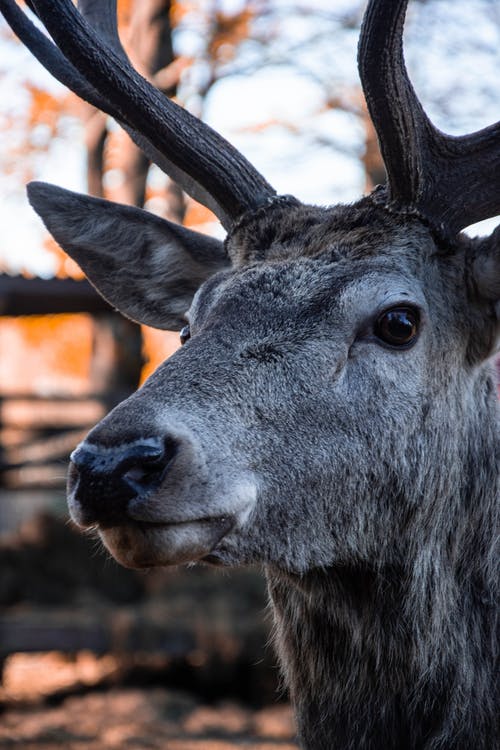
[151,500]
[141,544]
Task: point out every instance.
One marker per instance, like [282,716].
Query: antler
[90,60]
[452,181]
[55,62]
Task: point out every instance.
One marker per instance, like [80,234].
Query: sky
[453,54]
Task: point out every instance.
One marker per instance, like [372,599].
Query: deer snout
[105,482]
[159,500]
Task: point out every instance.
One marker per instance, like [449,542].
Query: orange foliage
[124,10]
[181,8]
[52,354]
[48,354]
[229,31]
[197,214]
[45,109]
[157,346]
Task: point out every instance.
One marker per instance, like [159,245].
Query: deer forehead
[329,287]
[360,230]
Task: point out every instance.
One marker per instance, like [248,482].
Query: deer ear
[146,267]
[486,268]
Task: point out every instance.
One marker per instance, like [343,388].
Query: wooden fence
[38,433]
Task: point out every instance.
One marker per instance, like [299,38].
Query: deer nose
[102,480]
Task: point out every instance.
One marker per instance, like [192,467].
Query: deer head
[334,358]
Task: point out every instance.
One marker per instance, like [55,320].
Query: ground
[95,657]
[140,719]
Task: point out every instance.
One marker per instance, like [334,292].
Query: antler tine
[102,16]
[204,163]
[452,181]
[49,56]
[54,61]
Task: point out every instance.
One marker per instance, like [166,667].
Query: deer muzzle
[106,484]
[151,501]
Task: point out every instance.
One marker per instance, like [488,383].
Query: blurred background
[93,655]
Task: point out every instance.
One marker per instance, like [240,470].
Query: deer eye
[398,327]
[185,334]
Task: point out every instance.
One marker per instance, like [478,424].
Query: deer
[332,414]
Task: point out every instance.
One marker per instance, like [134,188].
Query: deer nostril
[147,471]
[145,456]
[142,478]
[103,480]
[136,474]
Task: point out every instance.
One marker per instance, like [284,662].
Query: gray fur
[135,259]
[364,479]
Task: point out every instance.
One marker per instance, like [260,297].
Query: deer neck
[404,655]
[367,670]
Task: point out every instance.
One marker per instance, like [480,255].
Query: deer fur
[377,471]
[359,469]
